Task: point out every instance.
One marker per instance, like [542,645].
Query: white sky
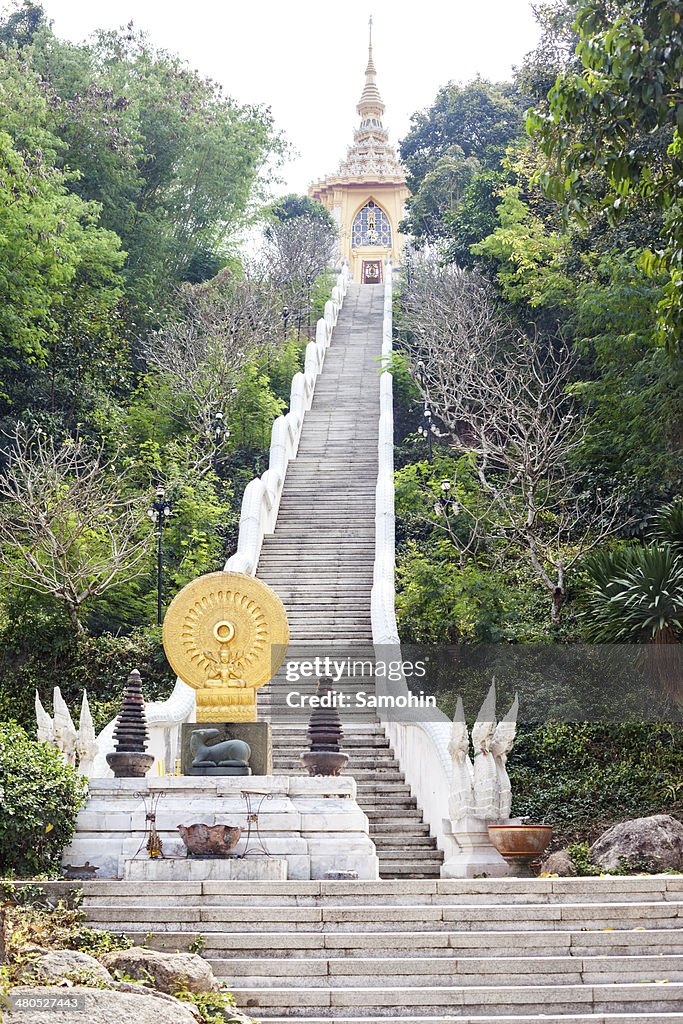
[306,59]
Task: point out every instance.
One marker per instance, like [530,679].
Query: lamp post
[219,433]
[448,504]
[285,319]
[159,512]
[427,429]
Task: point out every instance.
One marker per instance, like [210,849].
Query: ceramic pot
[521,845]
[209,840]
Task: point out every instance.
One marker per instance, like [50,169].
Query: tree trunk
[558,601]
[76,623]
[666,656]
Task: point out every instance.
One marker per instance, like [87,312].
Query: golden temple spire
[370,103]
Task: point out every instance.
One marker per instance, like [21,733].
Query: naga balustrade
[421,747]
[260,504]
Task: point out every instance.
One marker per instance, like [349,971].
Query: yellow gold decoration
[219,633]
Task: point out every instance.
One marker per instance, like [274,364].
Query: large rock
[69,964]
[559,863]
[645,844]
[167,972]
[102,1006]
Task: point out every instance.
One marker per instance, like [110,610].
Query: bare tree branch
[202,356]
[65,528]
[298,251]
[504,399]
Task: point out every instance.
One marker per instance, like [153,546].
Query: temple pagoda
[367,195]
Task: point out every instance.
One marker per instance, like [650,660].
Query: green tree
[41,797]
[613,131]
[174,163]
[293,205]
[481,118]
[53,254]
[432,209]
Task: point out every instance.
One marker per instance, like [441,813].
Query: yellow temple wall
[345,199]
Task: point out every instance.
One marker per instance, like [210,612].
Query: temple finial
[370,104]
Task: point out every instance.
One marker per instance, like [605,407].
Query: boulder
[559,863]
[69,964]
[167,972]
[643,844]
[101,1006]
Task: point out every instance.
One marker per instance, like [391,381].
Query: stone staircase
[404,845]
[320,562]
[589,950]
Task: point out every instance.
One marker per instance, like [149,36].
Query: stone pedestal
[199,869]
[468,851]
[256,734]
[315,825]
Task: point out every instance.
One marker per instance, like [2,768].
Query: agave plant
[635,596]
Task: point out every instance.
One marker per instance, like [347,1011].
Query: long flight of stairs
[411,948]
[320,562]
[490,951]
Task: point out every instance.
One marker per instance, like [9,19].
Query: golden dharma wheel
[226,634]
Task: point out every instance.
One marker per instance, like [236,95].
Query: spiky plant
[667,525]
[635,596]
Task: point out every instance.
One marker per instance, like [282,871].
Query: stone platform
[314,824]
[205,869]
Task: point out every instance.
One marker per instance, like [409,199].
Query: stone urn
[209,840]
[521,845]
[325,733]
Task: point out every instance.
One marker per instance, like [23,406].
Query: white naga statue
[461,797]
[482,790]
[78,746]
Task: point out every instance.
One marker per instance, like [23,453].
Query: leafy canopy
[613,130]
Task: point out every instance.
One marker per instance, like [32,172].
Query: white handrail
[258,515]
[421,747]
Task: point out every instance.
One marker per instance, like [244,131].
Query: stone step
[489,944]
[378,828]
[598,890]
[387,844]
[512,999]
[439,971]
[419,918]
[665,1017]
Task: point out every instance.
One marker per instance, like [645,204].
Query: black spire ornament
[128,760]
[325,733]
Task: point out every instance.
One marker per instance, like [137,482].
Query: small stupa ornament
[325,734]
[129,759]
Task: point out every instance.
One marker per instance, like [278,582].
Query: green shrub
[583,777]
[36,652]
[213,1007]
[41,798]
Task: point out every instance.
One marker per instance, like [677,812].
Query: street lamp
[285,318]
[427,429]
[219,433]
[448,505]
[159,512]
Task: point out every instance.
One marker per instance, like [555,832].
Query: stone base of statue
[315,825]
[469,852]
[203,744]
